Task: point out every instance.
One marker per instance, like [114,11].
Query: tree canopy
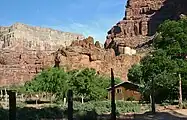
[165,62]
[84,82]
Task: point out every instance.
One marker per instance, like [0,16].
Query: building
[126,91]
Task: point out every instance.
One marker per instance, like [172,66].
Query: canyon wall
[35,38]
[26,51]
[142,18]
[17,67]
[82,54]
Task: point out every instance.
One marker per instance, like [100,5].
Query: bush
[85,83]
[184,106]
[131,98]
[104,107]
[126,107]
[87,111]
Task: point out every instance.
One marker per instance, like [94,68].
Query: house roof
[126,82]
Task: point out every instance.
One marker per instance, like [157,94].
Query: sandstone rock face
[141,20]
[86,54]
[35,38]
[26,50]
[17,67]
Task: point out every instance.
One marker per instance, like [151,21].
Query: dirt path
[164,115]
[183,111]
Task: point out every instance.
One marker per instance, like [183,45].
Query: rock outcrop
[17,67]
[35,38]
[26,50]
[141,20]
[85,53]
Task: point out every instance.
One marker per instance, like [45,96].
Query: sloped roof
[126,82]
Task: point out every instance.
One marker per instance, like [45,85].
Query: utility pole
[12,105]
[70,105]
[116,30]
[153,97]
[180,91]
[113,104]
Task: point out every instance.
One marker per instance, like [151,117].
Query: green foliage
[54,80]
[184,106]
[131,98]
[87,111]
[135,74]
[103,107]
[173,37]
[84,83]
[88,84]
[165,63]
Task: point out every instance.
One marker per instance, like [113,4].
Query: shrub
[104,107]
[126,107]
[184,106]
[131,98]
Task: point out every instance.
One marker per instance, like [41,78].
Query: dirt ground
[162,113]
[165,115]
[170,113]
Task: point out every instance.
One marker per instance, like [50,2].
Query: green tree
[84,82]
[88,85]
[53,80]
[135,74]
[166,61]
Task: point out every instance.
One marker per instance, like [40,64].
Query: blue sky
[88,17]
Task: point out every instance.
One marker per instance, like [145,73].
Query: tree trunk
[113,103]
[64,101]
[22,99]
[1,94]
[37,102]
[153,97]
[180,91]
[6,97]
[51,99]
[150,99]
[82,99]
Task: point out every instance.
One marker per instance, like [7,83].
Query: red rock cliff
[21,58]
[141,20]
[82,54]
[17,67]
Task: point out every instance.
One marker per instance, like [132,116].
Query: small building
[126,91]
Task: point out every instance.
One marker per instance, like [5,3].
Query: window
[118,90]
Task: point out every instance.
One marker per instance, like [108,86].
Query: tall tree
[166,63]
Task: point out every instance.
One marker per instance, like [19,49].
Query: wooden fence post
[153,97]
[113,104]
[12,105]
[70,105]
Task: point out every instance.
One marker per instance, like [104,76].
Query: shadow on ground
[57,113]
[28,113]
[160,116]
[33,113]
